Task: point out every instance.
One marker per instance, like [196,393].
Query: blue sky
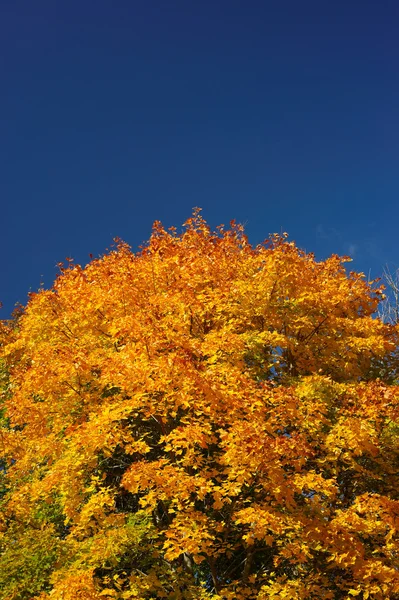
[281,115]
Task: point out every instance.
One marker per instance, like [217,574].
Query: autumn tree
[200,420]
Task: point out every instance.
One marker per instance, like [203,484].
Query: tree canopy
[202,419]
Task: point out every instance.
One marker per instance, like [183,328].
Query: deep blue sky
[283,115]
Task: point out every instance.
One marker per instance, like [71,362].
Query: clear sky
[283,115]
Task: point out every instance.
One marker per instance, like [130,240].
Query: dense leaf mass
[200,420]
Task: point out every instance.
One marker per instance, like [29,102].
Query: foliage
[200,420]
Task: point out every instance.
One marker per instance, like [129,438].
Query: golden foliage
[202,419]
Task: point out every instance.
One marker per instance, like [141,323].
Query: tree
[200,420]
[388,312]
[389,308]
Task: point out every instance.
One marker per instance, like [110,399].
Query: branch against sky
[389,308]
